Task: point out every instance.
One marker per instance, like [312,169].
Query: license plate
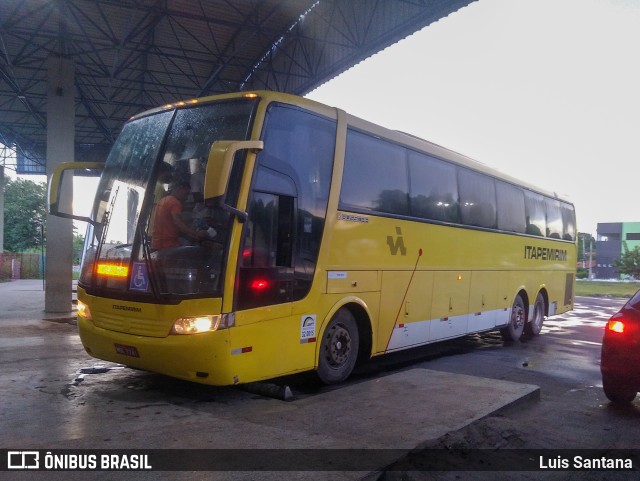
[130,351]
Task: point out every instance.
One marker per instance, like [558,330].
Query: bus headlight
[198,324]
[83,310]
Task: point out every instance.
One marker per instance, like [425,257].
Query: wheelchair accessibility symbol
[139,277]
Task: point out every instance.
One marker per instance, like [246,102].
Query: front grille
[132,323]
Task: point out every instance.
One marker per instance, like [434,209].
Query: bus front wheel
[513,331]
[339,348]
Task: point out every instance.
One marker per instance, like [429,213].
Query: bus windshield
[152,233]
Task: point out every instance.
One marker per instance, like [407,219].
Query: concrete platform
[403,410]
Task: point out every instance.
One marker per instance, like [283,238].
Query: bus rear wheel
[339,348]
[513,331]
[534,326]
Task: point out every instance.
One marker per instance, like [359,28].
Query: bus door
[265,273]
[286,211]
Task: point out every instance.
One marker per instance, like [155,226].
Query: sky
[547,91]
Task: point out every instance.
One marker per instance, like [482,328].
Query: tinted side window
[433,188]
[634,301]
[511,213]
[568,221]
[268,237]
[477,199]
[535,213]
[554,219]
[299,146]
[375,175]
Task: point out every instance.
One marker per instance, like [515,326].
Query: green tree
[586,243]
[629,262]
[24,213]
[78,245]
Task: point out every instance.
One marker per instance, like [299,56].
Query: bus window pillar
[60,148]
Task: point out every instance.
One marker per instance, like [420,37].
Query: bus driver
[168,225]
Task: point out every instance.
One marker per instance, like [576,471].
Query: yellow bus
[304,239]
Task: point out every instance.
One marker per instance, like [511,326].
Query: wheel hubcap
[518,317]
[340,346]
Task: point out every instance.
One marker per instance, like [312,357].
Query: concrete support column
[60,148]
[2,184]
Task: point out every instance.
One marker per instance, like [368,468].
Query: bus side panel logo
[544,253]
[396,244]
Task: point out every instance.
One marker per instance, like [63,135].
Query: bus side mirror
[221,156]
[57,189]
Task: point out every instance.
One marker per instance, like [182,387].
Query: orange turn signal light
[112,270]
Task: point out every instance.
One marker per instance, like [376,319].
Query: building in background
[609,245]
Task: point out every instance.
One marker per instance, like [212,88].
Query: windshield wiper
[146,255]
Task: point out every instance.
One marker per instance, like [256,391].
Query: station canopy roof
[132,55]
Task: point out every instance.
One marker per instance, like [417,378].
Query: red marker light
[259,284]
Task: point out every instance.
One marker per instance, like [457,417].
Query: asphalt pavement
[24,299]
[401,410]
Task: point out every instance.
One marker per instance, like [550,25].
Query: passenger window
[568,221]
[554,219]
[511,211]
[434,188]
[477,199]
[375,175]
[535,214]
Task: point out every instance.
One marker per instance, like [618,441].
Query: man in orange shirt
[167,221]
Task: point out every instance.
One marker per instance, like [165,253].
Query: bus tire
[339,348]
[513,331]
[534,326]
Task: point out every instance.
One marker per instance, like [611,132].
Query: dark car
[620,358]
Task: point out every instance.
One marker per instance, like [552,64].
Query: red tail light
[616,325]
